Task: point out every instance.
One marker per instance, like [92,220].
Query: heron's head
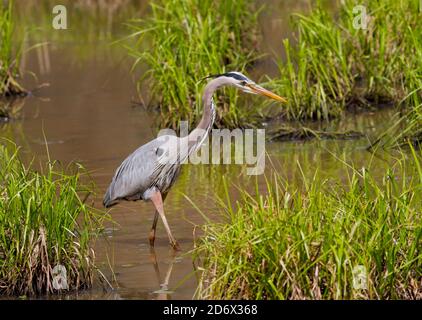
[245,84]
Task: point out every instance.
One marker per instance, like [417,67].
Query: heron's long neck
[199,134]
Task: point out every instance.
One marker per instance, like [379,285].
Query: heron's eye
[243,83]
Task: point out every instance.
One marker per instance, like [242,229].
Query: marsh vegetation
[309,242]
[45,220]
[342,62]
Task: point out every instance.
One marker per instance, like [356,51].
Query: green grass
[44,221]
[334,66]
[9,54]
[305,243]
[183,41]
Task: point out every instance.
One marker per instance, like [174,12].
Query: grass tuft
[313,243]
[44,221]
[336,65]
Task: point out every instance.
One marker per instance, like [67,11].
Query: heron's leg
[158,203]
[154,224]
[152,232]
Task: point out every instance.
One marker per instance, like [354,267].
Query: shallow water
[87,115]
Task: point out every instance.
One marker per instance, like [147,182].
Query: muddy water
[87,115]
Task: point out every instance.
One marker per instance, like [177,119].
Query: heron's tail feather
[108,200]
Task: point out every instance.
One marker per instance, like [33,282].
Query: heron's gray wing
[137,172]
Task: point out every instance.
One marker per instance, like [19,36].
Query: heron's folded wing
[137,172]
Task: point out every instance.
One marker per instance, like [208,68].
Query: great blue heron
[144,175]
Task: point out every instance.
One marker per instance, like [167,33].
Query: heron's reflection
[163,293]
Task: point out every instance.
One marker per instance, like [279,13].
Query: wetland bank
[323,207]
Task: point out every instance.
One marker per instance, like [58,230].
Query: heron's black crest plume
[234,75]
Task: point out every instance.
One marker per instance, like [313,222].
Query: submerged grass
[407,129]
[44,222]
[10,108]
[288,133]
[8,56]
[336,64]
[184,41]
[330,240]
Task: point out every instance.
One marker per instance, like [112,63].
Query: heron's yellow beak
[264,92]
